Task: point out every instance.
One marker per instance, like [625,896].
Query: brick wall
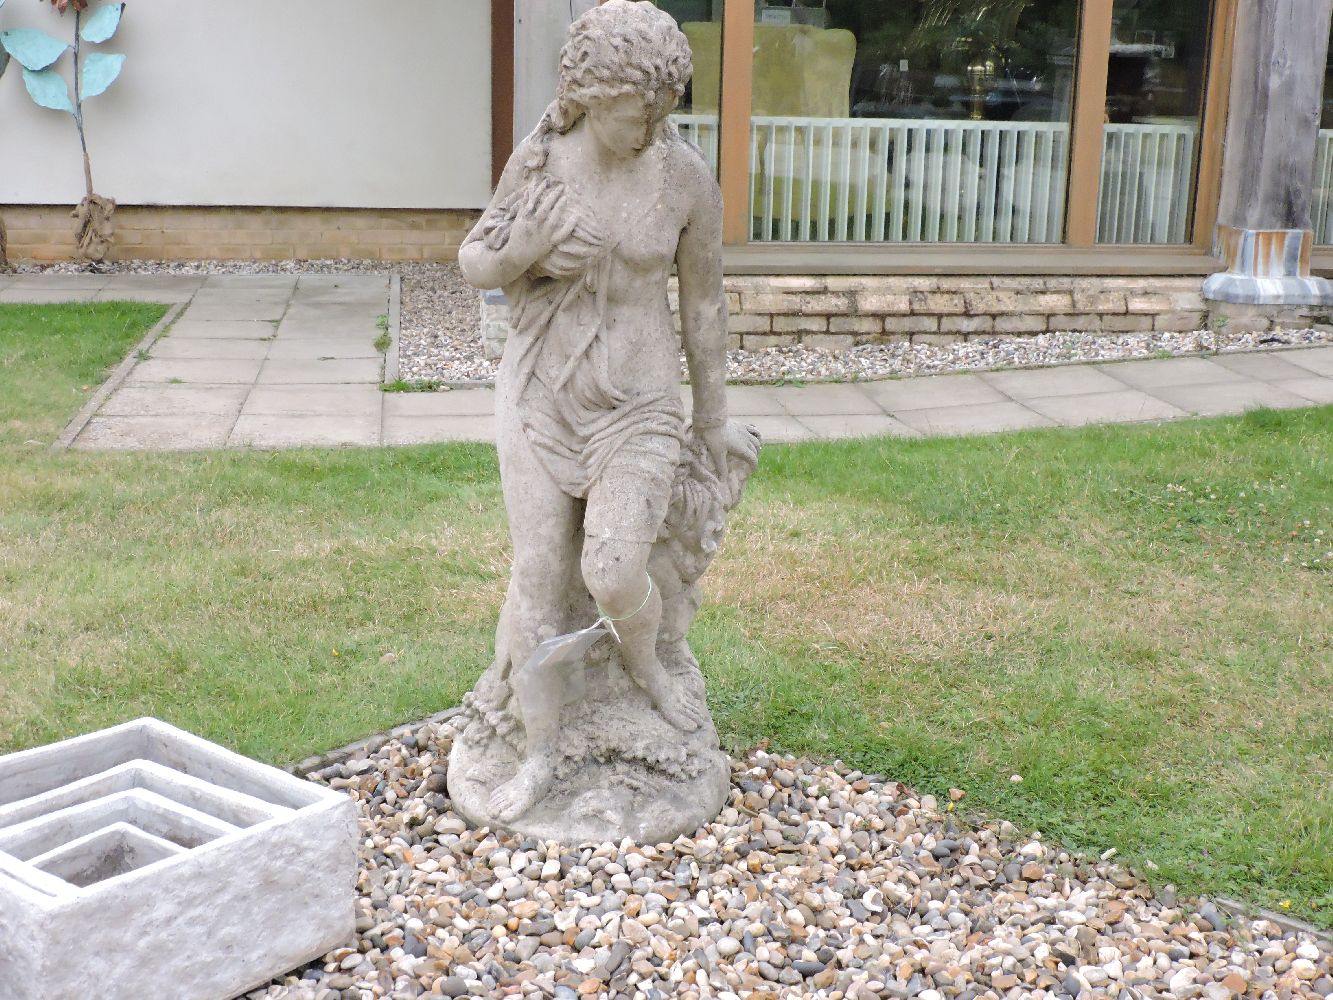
[45,233]
[838,312]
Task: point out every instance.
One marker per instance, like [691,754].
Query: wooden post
[1085,164]
[1277,82]
[502,86]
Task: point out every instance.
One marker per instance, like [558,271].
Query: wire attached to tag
[610,623]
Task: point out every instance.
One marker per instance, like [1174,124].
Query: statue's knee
[614,584]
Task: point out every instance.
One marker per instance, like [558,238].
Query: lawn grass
[1138,621]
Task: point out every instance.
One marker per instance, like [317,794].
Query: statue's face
[625,125]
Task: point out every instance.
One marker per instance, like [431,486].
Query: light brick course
[45,233]
[855,324]
[823,310]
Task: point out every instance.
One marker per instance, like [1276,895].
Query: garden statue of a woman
[591,722]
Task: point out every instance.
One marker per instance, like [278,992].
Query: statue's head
[623,67]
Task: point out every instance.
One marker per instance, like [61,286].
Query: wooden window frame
[502,86]
[1079,253]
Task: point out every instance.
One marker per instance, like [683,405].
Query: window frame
[1078,253]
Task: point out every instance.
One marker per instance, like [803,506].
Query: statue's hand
[543,220]
[714,439]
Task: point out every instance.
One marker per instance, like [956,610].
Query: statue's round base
[623,773]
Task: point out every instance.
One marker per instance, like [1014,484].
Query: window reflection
[697,113]
[1154,100]
[906,120]
[1321,204]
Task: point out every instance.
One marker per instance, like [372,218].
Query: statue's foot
[677,706]
[521,792]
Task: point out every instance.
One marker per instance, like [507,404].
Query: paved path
[275,361]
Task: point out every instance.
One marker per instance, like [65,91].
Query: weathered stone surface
[966,324]
[237,872]
[591,724]
[855,324]
[800,324]
[745,323]
[1073,321]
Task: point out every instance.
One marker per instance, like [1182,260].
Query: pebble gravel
[440,339]
[814,881]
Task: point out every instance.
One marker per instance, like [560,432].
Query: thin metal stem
[78,108]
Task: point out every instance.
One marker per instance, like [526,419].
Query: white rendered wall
[292,103]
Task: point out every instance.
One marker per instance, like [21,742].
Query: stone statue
[591,723]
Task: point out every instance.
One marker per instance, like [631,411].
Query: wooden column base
[1266,267]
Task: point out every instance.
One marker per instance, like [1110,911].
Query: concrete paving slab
[223,329]
[153,282]
[346,430]
[1315,389]
[314,400]
[77,282]
[1150,373]
[6,280]
[351,289]
[359,346]
[825,400]
[1317,359]
[931,391]
[149,288]
[343,282]
[404,430]
[211,296]
[196,370]
[203,347]
[251,281]
[338,312]
[780,429]
[251,309]
[750,401]
[456,402]
[191,432]
[1233,397]
[315,370]
[856,425]
[19,293]
[1267,367]
[1069,380]
[329,329]
[362,303]
[175,401]
[1124,406]
[977,418]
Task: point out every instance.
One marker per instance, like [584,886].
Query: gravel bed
[815,881]
[440,339]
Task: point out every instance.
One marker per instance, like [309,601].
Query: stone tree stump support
[1263,232]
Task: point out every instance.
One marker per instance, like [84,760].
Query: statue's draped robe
[557,369]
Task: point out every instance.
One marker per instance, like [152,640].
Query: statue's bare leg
[616,573]
[544,528]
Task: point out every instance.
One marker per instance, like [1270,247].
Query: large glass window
[1321,202]
[1154,103]
[911,120]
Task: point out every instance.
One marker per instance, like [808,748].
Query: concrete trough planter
[143,861]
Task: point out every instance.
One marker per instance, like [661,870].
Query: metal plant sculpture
[37,52]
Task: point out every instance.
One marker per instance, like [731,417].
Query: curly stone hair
[619,47]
